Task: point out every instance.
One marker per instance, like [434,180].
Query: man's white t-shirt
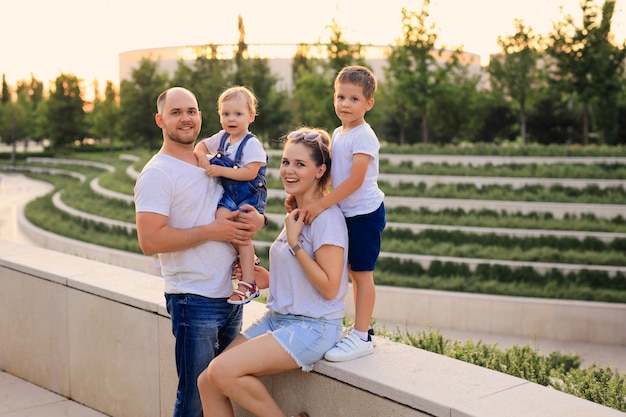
[361,139]
[290,290]
[189,198]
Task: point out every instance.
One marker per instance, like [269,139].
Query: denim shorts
[305,339]
[365,235]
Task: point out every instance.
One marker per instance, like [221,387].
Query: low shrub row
[591,194]
[532,170]
[557,370]
[505,149]
[588,251]
[588,285]
[500,219]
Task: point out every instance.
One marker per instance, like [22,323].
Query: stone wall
[99,334]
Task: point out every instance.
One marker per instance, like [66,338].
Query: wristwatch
[295,248]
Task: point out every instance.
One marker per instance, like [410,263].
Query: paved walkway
[19,398]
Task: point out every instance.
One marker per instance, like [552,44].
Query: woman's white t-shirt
[290,290]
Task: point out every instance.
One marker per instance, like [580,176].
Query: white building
[279,57]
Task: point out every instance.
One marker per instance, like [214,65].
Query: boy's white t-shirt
[362,139]
[188,198]
[290,290]
[253,151]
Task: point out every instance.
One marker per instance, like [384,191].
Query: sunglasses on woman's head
[299,134]
[309,137]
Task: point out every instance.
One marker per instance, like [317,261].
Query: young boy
[354,179]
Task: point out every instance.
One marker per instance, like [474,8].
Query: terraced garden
[517,226]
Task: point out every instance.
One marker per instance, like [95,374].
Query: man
[175,214]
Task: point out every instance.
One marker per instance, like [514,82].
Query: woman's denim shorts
[306,339]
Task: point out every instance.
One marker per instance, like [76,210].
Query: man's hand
[236,232]
[250,216]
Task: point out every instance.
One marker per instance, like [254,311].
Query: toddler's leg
[246,288]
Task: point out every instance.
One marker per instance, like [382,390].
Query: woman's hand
[261,276]
[294,222]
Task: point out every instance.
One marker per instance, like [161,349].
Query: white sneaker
[350,347]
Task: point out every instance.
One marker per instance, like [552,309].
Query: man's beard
[182,139]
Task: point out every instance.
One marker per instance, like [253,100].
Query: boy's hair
[239,92]
[360,76]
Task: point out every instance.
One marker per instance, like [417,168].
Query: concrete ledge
[99,334]
[544,318]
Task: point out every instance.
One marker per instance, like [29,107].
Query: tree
[452,113]
[589,66]
[242,51]
[138,104]
[341,53]
[13,125]
[492,117]
[29,95]
[272,114]
[312,99]
[65,116]
[515,71]
[415,75]
[6,94]
[551,119]
[104,117]
[207,78]
[255,74]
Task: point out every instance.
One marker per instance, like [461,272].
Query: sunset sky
[84,37]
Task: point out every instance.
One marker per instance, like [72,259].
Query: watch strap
[295,248]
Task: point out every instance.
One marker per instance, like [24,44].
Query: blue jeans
[203,327]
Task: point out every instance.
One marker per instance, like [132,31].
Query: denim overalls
[238,193]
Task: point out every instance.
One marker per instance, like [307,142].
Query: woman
[307,284]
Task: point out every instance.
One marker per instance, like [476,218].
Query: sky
[85,37]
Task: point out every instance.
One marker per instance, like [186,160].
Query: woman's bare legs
[234,375]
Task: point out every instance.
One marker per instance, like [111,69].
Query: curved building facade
[279,57]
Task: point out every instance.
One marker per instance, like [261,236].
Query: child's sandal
[244,297]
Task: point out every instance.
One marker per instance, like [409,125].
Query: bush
[558,370]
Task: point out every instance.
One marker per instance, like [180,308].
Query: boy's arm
[360,162]
[245,173]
